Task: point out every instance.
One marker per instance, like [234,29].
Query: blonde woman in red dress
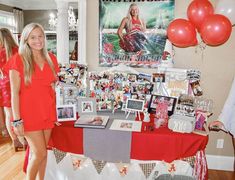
[33,75]
[8,47]
[134,40]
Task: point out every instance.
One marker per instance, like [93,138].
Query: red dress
[5,91]
[37,99]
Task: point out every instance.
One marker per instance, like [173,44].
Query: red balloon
[182,33]
[198,10]
[216,29]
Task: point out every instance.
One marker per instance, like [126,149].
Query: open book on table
[92,121]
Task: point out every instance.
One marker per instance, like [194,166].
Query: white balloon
[226,8]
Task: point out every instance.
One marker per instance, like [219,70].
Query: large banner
[133,32]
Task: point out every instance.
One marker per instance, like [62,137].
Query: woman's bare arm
[15,89]
[121,27]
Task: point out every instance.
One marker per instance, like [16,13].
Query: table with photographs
[153,153]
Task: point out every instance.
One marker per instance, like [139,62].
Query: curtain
[18,22]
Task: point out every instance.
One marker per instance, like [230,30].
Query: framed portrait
[135,105]
[86,106]
[66,112]
[155,99]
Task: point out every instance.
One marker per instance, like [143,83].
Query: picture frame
[153,103]
[135,105]
[126,125]
[66,112]
[71,101]
[70,92]
[86,106]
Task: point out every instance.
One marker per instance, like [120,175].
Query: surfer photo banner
[133,32]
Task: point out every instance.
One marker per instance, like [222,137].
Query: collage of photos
[112,90]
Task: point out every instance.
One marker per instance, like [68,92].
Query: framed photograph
[196,88]
[66,112]
[155,99]
[71,101]
[126,125]
[135,105]
[70,92]
[86,106]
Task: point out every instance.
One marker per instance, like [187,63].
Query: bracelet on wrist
[17,122]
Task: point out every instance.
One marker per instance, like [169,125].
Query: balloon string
[202,47]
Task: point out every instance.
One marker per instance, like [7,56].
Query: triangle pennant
[99,165]
[59,155]
[191,160]
[147,168]
[77,161]
[122,168]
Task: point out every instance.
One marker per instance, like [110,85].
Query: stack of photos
[112,90]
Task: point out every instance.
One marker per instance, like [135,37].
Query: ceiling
[35,4]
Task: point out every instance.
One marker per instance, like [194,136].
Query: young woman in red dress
[8,47]
[33,75]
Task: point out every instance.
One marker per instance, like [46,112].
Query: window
[7,20]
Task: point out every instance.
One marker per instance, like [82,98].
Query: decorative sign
[134,105]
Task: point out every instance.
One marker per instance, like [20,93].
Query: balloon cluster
[214,26]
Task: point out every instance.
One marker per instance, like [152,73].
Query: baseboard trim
[224,163]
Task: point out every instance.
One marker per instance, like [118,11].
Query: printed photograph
[133,33]
[87,106]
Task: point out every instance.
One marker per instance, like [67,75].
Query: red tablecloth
[164,144]
[160,144]
[67,138]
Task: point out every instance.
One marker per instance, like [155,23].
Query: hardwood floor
[11,164]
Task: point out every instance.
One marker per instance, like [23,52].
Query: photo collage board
[72,84]
[112,89]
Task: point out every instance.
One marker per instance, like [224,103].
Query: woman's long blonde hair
[129,22]
[7,41]
[26,52]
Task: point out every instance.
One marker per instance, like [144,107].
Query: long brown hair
[7,41]
[26,52]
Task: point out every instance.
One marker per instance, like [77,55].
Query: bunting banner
[77,161]
[99,165]
[147,168]
[123,168]
[191,160]
[133,32]
[59,155]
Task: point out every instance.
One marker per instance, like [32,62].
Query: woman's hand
[57,123]
[215,125]
[19,129]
